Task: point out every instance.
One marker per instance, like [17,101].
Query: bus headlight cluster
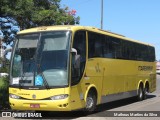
[59,97]
[14,96]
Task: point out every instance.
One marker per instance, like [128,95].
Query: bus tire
[91,102]
[145,91]
[140,93]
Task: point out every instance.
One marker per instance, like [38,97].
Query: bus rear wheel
[146,91]
[91,102]
[140,93]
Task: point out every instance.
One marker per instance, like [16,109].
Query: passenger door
[77,75]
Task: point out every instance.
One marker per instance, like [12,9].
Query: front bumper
[40,105]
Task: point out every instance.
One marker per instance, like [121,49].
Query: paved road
[151,104]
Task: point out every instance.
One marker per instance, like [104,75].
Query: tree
[32,13]
[8,28]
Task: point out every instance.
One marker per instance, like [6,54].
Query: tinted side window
[128,50]
[138,52]
[95,47]
[144,52]
[151,54]
[100,45]
[112,48]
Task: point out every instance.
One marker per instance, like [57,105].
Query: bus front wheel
[91,102]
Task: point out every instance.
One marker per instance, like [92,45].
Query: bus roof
[74,28]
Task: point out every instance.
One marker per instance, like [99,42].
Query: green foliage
[4,82]
[31,13]
[5,68]
[4,102]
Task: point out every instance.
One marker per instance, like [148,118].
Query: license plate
[34,105]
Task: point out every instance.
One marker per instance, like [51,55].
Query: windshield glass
[40,60]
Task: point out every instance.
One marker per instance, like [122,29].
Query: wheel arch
[140,83]
[91,88]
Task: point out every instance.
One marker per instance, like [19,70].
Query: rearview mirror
[73,51]
[75,58]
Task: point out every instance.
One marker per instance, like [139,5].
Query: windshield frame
[40,87]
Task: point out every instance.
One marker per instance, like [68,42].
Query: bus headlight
[59,97]
[14,96]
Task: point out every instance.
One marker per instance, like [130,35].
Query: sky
[136,19]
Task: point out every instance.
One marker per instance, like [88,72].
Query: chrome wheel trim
[89,102]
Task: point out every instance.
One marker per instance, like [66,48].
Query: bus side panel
[119,76]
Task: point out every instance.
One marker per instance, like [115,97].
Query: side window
[112,48]
[144,52]
[79,43]
[151,54]
[95,47]
[132,55]
[107,48]
[128,50]
[139,52]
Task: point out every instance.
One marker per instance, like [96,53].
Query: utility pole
[101,14]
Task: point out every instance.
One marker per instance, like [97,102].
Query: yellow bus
[65,68]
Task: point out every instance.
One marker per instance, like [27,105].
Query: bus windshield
[40,60]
